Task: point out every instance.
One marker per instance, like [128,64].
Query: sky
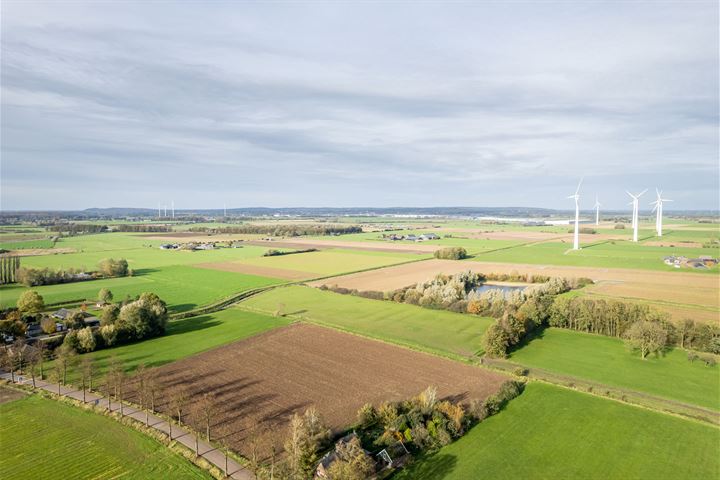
[128,104]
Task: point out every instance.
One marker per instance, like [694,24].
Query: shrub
[619,226]
[86,340]
[520,371]
[451,253]
[367,415]
[692,356]
[709,360]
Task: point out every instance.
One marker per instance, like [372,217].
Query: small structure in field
[322,469]
[429,236]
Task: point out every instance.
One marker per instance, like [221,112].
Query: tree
[41,348]
[352,462]
[87,369]
[109,314]
[47,324]
[109,267]
[178,396]
[86,340]
[30,302]
[105,296]
[34,360]
[305,437]
[76,320]
[685,331]
[7,361]
[64,359]
[647,337]
[109,334]
[496,340]
[204,410]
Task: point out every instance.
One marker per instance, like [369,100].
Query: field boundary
[631,397]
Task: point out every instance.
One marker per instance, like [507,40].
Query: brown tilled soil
[260,382]
[9,394]
[677,288]
[673,244]
[38,252]
[257,270]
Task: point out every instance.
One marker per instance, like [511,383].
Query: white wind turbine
[635,203]
[576,196]
[597,210]
[659,209]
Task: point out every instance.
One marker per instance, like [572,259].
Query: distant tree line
[276,253]
[9,266]
[283,230]
[32,277]
[77,228]
[148,228]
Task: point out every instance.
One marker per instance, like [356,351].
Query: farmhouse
[411,237]
[428,236]
[331,457]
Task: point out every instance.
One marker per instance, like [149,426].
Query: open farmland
[43,438]
[551,432]
[607,361]
[189,336]
[182,287]
[683,294]
[259,382]
[312,264]
[436,331]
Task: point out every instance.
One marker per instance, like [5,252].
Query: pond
[506,289]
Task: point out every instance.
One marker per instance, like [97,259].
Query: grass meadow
[551,432]
[43,438]
[435,331]
[189,336]
[182,287]
[607,361]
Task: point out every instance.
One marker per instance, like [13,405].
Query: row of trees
[9,266]
[451,253]
[77,228]
[284,230]
[32,277]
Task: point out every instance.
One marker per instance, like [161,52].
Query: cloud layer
[129,104]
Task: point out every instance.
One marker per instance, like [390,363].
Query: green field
[190,336]
[19,245]
[606,360]
[182,287]
[436,331]
[549,432]
[621,254]
[42,438]
[331,262]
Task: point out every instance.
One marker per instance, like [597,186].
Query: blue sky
[358,103]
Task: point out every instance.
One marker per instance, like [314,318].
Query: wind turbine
[159,207]
[635,203]
[597,210]
[576,196]
[659,209]
[225,210]
[172,207]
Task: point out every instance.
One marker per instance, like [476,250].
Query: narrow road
[179,434]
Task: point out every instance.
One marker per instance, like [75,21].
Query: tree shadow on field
[297,312]
[182,307]
[192,324]
[144,271]
[537,334]
[436,466]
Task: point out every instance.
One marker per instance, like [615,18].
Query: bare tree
[141,374]
[7,361]
[64,359]
[206,408]
[178,401]
[120,385]
[87,368]
[41,348]
[151,390]
[33,360]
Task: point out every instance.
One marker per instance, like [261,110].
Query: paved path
[179,434]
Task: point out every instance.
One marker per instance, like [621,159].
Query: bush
[109,267]
[709,360]
[86,340]
[520,371]
[451,253]
[367,415]
[619,226]
[692,356]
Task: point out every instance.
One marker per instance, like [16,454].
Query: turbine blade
[579,183]
[642,193]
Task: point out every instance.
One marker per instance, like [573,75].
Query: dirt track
[260,382]
[378,246]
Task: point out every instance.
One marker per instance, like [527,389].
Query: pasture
[261,381]
[551,432]
[43,438]
[606,360]
[326,262]
[182,287]
[189,336]
[436,331]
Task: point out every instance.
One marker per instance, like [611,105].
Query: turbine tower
[576,196]
[635,203]
[659,209]
[159,207]
[597,210]
[172,207]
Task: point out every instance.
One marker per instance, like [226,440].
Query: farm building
[169,246]
[322,469]
[428,236]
